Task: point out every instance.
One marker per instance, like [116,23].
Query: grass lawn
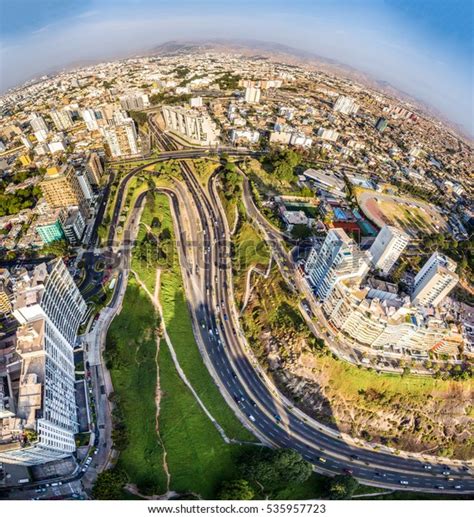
[249,250]
[179,327]
[198,459]
[132,346]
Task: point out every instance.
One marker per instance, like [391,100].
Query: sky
[423,47]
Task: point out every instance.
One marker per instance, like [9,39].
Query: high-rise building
[90,118]
[94,169]
[434,280]
[381,124]
[38,383]
[338,259]
[62,119]
[192,124]
[387,247]
[73,225]
[37,123]
[122,138]
[252,95]
[85,185]
[134,101]
[61,188]
[346,105]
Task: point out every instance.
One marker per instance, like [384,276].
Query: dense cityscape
[278,254]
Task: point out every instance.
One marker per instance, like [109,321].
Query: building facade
[387,247]
[194,125]
[338,259]
[42,418]
[435,280]
[61,188]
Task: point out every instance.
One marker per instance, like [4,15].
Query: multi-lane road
[256,400]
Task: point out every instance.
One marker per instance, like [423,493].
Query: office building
[387,247]
[61,188]
[192,124]
[122,137]
[252,95]
[435,280]
[37,380]
[339,259]
[94,169]
[346,105]
[381,124]
[62,119]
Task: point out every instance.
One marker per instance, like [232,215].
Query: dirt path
[154,297]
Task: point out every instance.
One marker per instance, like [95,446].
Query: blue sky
[424,47]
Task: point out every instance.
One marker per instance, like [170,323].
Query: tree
[273,469]
[301,231]
[238,489]
[109,485]
[342,487]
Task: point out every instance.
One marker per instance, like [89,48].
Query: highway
[259,404]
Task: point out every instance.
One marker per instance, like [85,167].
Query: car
[446,472]
[252,418]
[427,467]
[403,482]
[450,479]
[322,460]
[458,487]
[381,474]
[83,469]
[348,471]
[439,487]
[354,457]
[96,451]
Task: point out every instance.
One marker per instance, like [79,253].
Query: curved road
[264,409]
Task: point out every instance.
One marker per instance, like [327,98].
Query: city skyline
[420,49]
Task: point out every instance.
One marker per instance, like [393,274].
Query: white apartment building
[194,125]
[346,105]
[42,417]
[328,134]
[62,119]
[384,321]
[195,102]
[122,138]
[135,101]
[338,259]
[90,119]
[37,123]
[252,95]
[244,134]
[387,247]
[435,280]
